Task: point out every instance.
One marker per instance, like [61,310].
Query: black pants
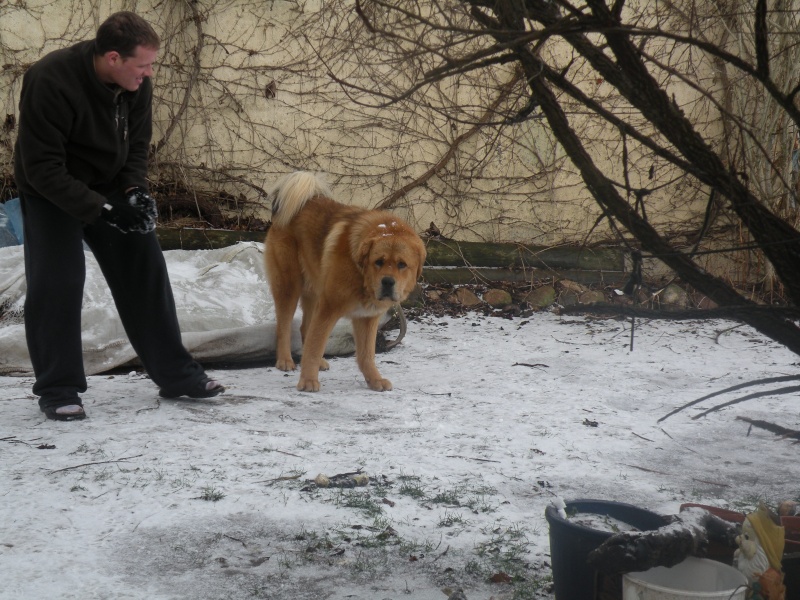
[136,272]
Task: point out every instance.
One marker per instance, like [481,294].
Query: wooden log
[489,275]
[441,253]
[481,254]
[687,535]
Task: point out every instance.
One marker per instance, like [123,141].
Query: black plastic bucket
[570,543]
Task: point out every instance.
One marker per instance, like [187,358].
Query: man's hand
[136,214]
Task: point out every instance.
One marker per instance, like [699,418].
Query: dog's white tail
[292,191]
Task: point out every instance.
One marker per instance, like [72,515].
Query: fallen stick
[776,429]
[687,535]
[100,462]
[732,388]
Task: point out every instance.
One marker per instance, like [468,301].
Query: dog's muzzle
[387,289]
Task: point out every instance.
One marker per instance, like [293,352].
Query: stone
[497,298]
[541,297]
[674,296]
[433,295]
[568,285]
[568,298]
[592,297]
[466,297]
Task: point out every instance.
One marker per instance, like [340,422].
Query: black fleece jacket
[79,139]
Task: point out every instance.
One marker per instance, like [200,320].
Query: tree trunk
[775,327]
[779,241]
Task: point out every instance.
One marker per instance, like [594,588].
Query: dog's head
[390,256]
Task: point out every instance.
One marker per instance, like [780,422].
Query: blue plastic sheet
[10,223]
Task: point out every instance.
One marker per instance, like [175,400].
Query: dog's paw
[380,385]
[308,385]
[285,364]
[323,365]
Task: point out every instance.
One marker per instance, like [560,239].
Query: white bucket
[692,579]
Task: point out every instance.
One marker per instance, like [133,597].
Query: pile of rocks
[511,299]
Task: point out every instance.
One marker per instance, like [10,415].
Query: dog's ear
[362,255]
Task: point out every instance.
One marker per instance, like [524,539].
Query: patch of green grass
[314,542]
[451,497]
[474,497]
[180,482]
[411,486]
[82,449]
[478,499]
[285,561]
[103,475]
[407,548]
[379,533]
[451,519]
[505,550]
[211,494]
[95,453]
[372,548]
[371,564]
[359,500]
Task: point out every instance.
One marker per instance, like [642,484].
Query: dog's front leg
[365,330]
[319,329]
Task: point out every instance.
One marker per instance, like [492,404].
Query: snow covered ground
[489,421]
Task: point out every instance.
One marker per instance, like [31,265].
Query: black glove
[136,214]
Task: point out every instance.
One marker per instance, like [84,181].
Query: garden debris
[783,432]
[342,480]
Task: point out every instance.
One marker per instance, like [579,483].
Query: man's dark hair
[123,32]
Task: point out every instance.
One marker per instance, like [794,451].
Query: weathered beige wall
[231,136]
[243,95]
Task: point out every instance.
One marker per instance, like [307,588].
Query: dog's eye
[379,263]
[401,265]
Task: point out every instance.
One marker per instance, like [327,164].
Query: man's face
[128,73]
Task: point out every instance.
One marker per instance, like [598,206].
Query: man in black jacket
[80,164]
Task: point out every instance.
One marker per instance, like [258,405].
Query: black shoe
[205,388]
[64,412]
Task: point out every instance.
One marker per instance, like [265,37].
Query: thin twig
[503,92]
[724,331]
[472,458]
[645,469]
[156,407]
[283,478]
[234,539]
[11,440]
[717,483]
[442,554]
[101,462]
[282,452]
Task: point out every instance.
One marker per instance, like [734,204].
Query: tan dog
[338,261]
